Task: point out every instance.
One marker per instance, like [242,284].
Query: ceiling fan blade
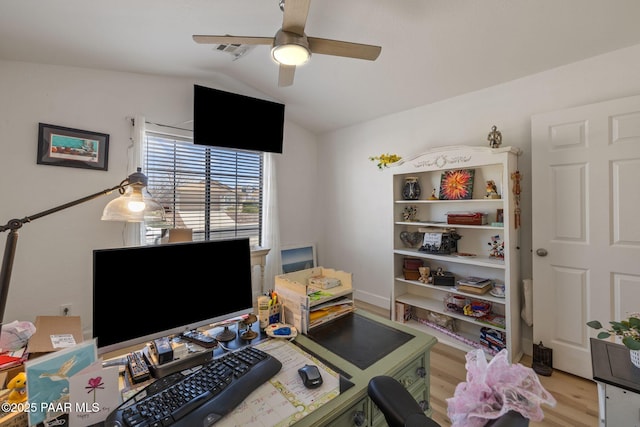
[285,78]
[203,39]
[295,16]
[347,49]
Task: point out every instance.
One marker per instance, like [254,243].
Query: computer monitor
[147,292]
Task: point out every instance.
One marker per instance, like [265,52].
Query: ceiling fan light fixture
[290,49]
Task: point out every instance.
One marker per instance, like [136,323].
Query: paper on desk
[284,399]
[93,394]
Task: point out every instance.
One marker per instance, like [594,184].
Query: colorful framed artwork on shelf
[457,184]
[301,257]
[62,146]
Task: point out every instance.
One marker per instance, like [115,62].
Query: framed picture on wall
[75,148]
[299,257]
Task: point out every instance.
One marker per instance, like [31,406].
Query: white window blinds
[217,192]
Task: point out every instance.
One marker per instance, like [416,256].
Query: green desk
[409,363]
[383,354]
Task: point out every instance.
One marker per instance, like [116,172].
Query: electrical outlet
[65,310]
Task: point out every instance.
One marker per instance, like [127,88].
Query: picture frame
[75,148]
[499,215]
[457,184]
[48,379]
[298,257]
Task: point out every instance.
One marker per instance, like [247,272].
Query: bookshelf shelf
[413,298]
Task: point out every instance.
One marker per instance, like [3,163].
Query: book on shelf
[493,320]
[474,289]
[478,282]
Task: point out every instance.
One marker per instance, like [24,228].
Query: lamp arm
[15,224]
[12,239]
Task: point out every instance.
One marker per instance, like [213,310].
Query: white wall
[329,193]
[357,196]
[53,263]
[297,168]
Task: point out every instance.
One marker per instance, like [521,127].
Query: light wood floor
[577,398]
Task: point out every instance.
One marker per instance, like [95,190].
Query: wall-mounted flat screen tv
[225,119]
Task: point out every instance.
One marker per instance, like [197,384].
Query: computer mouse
[310,375]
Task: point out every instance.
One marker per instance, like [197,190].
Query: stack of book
[474,285]
[492,339]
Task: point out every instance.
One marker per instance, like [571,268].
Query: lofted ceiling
[431,49]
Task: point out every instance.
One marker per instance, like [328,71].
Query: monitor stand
[226,335]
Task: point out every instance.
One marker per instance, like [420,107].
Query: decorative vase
[411,188]
[635,357]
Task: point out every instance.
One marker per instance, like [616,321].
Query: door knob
[541,252]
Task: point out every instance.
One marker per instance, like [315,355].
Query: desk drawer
[358,411]
[419,392]
[416,371]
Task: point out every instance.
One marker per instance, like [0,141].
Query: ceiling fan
[291,46]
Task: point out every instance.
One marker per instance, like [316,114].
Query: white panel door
[586,225]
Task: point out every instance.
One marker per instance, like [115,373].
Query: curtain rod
[133,122]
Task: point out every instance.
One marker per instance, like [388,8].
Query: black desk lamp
[134,205]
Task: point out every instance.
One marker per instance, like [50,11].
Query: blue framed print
[75,148]
[295,258]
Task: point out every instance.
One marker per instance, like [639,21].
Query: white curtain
[270,223]
[134,232]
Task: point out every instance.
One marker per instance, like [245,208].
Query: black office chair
[401,410]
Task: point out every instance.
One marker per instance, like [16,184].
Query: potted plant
[628,330]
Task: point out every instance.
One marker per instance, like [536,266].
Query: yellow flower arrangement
[384,160]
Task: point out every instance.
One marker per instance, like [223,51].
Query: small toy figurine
[18,387]
[492,190]
[425,274]
[497,247]
[494,137]
[409,213]
[433,195]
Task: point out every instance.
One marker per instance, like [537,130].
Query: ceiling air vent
[236,50]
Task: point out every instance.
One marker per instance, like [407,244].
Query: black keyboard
[201,398]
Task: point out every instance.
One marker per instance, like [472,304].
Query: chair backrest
[400,409]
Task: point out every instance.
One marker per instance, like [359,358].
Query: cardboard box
[7,375]
[15,419]
[54,333]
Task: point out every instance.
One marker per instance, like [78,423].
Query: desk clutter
[62,375]
[314,296]
[66,382]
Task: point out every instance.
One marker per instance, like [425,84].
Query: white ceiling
[431,49]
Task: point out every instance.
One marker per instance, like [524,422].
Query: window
[217,192]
